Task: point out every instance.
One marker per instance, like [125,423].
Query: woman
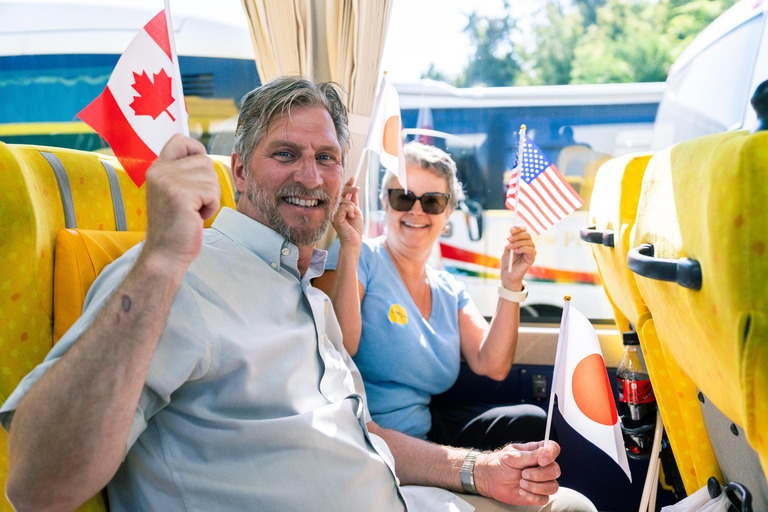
[417,322]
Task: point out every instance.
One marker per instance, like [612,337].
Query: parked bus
[578,127]
[46,78]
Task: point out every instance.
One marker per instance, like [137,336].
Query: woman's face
[415,229]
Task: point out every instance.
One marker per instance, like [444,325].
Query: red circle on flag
[592,390]
[391,134]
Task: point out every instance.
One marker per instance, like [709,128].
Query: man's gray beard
[300,236]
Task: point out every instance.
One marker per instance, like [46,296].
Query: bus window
[700,101]
[578,128]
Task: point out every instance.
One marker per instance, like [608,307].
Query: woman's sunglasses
[433,203]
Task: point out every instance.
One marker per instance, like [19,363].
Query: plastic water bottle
[637,403]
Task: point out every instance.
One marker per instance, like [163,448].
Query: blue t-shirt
[404,359]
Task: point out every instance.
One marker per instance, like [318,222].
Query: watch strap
[468,472]
[507,294]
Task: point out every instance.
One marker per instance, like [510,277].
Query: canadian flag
[385,137]
[584,394]
[142,106]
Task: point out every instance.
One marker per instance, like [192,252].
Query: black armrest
[685,271]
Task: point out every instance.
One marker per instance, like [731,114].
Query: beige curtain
[339,40]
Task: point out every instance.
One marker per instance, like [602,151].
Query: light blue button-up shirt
[251,401]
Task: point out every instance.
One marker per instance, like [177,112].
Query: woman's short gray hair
[278,97]
[431,159]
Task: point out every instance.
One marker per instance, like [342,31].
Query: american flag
[545,197]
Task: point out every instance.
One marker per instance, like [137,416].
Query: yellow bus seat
[81,255]
[613,211]
[698,251]
[45,190]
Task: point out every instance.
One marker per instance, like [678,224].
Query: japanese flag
[142,106]
[385,135]
[584,394]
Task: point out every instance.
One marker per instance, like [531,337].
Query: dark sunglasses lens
[433,203]
[400,200]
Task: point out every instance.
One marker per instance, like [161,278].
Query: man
[207,374]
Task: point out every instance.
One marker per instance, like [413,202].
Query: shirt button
[286,251]
[273,265]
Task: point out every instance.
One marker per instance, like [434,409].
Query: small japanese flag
[584,394]
[385,135]
[142,106]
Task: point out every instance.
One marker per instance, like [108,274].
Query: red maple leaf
[154,98]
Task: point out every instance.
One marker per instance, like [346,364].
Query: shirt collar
[266,243]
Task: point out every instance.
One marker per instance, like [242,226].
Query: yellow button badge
[398,314]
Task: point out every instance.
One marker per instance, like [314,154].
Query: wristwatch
[468,472]
[507,294]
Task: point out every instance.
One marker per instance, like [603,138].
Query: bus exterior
[578,127]
[50,68]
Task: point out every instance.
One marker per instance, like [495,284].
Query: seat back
[702,207]
[613,213]
[46,190]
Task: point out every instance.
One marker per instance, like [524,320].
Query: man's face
[295,176]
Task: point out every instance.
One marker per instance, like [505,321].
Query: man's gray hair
[432,159]
[278,97]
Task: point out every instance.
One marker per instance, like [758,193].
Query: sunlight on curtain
[339,40]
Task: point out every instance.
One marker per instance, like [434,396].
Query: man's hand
[348,221]
[519,474]
[182,192]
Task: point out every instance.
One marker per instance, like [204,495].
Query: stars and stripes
[544,197]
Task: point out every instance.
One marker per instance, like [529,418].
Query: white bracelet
[507,294]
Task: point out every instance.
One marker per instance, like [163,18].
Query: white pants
[432,499]
[566,500]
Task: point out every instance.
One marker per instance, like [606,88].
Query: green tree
[585,41]
[433,74]
[550,61]
[494,63]
[687,18]
[638,40]
[588,10]
[625,45]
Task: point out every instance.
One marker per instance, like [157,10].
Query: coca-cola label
[636,391]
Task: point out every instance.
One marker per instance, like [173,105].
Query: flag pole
[562,341]
[176,70]
[652,477]
[520,147]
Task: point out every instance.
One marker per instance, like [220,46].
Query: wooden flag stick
[520,147]
[562,344]
[176,70]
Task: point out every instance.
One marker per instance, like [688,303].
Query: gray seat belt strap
[65,190]
[121,224]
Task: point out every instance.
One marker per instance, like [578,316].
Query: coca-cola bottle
[637,404]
